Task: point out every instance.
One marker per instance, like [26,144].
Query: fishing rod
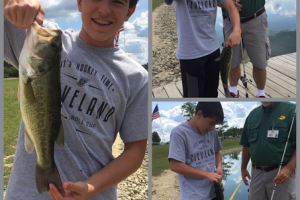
[284,153]
[244,78]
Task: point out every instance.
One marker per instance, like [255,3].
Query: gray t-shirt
[103,92]
[189,146]
[195,21]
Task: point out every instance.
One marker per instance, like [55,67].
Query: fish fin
[19,93]
[44,177]
[28,93]
[60,137]
[29,146]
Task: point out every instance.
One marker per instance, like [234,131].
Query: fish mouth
[102,22]
[44,32]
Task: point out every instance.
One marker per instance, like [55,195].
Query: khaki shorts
[255,41]
[262,183]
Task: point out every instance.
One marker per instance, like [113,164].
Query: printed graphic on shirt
[201,7]
[88,108]
[203,153]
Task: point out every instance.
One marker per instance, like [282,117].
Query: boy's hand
[220,171]
[234,38]
[73,191]
[22,13]
[245,174]
[214,177]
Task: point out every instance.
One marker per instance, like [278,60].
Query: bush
[10,72]
[155,143]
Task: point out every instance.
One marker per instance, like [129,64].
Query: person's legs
[212,70]
[257,45]
[257,185]
[193,77]
[260,76]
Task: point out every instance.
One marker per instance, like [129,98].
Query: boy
[106,98]
[198,46]
[194,152]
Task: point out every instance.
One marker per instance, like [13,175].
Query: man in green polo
[264,138]
[254,27]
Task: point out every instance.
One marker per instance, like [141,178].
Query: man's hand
[234,39]
[73,191]
[22,13]
[237,5]
[214,177]
[283,176]
[245,174]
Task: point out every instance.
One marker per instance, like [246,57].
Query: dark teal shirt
[249,7]
[268,151]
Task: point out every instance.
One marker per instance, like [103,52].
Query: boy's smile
[101,19]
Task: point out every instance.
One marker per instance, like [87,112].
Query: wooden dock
[281,81]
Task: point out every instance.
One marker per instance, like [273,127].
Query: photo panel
[225,141]
[189,58]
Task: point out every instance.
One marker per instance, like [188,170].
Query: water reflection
[232,176]
[281,29]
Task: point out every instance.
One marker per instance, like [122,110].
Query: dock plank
[281,81]
[172,91]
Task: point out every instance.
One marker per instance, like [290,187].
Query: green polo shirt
[268,151]
[249,7]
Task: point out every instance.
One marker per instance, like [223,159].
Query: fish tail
[44,177]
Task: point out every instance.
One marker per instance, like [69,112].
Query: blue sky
[66,15]
[171,115]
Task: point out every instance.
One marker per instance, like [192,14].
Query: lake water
[232,177]
[282,26]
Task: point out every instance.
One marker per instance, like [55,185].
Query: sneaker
[260,97]
[235,96]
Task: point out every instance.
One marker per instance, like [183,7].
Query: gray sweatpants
[262,183]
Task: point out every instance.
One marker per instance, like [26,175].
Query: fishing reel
[245,81]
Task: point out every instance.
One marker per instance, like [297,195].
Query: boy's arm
[116,171]
[234,38]
[218,157]
[186,170]
[21,13]
[236,4]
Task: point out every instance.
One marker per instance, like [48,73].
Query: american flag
[118,33]
[155,113]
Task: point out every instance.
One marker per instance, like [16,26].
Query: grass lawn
[156,3]
[12,118]
[230,143]
[160,155]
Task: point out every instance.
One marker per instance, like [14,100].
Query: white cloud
[169,119]
[273,6]
[136,38]
[60,9]
[288,13]
[240,110]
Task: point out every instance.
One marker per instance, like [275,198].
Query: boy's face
[101,19]
[205,125]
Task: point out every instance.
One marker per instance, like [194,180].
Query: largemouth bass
[225,67]
[40,103]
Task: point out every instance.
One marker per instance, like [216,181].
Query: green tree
[155,137]
[188,109]
[234,131]
[221,128]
